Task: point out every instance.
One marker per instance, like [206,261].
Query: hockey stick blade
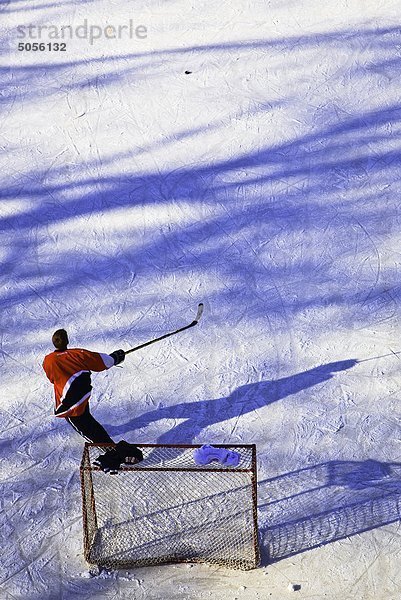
[199,313]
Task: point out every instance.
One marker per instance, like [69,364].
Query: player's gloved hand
[118,356]
[109,462]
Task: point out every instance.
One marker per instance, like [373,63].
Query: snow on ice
[245,154]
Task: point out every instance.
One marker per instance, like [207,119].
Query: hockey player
[69,370]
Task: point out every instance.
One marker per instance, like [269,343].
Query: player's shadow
[196,416]
[318,505]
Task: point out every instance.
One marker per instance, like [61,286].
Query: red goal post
[168,509]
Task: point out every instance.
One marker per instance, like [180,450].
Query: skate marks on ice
[314,179]
[114,68]
[323,503]
[247,398]
[344,170]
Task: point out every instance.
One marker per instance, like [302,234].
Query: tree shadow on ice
[14,6]
[247,398]
[250,187]
[331,501]
[156,63]
[314,179]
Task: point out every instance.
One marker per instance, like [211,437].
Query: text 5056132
[42,46]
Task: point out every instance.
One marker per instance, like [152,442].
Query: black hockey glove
[118,356]
[109,462]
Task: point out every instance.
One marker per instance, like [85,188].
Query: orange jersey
[70,373]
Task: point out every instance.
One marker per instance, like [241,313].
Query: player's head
[60,339]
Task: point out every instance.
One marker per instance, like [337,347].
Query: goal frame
[89,500]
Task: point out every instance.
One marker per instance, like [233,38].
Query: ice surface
[266,182]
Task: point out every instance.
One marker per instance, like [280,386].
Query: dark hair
[60,339]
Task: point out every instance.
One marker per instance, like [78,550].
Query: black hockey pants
[89,428]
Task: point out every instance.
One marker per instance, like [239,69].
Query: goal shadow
[319,505]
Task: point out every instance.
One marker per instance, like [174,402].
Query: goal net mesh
[168,509]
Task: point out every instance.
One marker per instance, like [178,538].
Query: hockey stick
[194,322]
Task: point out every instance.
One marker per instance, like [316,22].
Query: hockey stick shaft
[166,335]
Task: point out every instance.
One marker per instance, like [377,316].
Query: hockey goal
[169,509]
